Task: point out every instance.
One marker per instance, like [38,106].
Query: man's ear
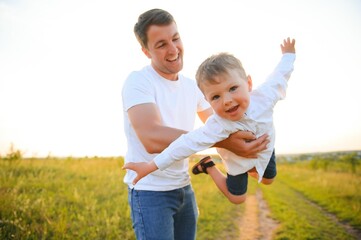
[146,52]
[249,81]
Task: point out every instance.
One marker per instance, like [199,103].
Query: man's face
[165,49]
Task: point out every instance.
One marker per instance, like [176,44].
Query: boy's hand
[142,169]
[288,46]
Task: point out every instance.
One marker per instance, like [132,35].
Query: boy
[227,88]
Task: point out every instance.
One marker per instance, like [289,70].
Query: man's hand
[244,144]
[142,169]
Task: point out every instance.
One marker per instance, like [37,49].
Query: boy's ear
[249,81]
[146,52]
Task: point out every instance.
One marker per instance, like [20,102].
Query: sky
[63,64]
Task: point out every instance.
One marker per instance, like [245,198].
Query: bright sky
[63,63]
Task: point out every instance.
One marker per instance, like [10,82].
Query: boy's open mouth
[232,109]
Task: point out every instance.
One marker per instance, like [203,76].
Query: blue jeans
[164,215]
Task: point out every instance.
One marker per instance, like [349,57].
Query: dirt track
[255,223]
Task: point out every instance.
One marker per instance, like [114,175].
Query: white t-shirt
[258,119]
[178,102]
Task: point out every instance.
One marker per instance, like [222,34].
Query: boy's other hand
[141,168]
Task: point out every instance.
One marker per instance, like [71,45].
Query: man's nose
[173,48]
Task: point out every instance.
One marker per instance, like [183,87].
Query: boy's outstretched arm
[288,46]
[142,169]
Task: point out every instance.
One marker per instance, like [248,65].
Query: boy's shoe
[204,165]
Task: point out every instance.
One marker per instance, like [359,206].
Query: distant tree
[313,164]
[325,163]
[352,160]
[319,162]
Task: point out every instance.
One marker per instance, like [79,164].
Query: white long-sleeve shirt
[258,119]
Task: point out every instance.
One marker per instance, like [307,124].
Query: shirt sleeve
[192,142]
[274,88]
[137,90]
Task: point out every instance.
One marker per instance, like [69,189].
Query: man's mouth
[173,59]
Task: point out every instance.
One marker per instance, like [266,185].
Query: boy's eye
[215,97]
[233,88]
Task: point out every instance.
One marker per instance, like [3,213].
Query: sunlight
[64,63]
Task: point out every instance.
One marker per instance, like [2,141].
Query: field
[318,198]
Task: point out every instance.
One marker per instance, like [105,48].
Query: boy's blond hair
[216,65]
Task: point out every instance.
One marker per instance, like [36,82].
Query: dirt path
[256,223]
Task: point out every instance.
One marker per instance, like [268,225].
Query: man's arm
[154,136]
[241,143]
[147,123]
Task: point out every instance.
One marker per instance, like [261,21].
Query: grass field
[64,199]
[86,199]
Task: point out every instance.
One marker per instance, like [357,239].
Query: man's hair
[151,17]
[216,65]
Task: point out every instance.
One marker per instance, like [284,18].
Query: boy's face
[229,97]
[165,49]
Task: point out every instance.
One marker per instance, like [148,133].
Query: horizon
[13,149]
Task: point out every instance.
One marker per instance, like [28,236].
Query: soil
[255,223]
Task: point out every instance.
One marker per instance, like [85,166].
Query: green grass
[296,186]
[337,192]
[298,219]
[64,199]
[87,199]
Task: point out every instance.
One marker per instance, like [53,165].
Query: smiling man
[159,105]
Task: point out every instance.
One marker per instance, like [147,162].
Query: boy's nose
[227,99]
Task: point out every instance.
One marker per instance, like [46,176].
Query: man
[159,105]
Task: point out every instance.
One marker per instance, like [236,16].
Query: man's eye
[160,45]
